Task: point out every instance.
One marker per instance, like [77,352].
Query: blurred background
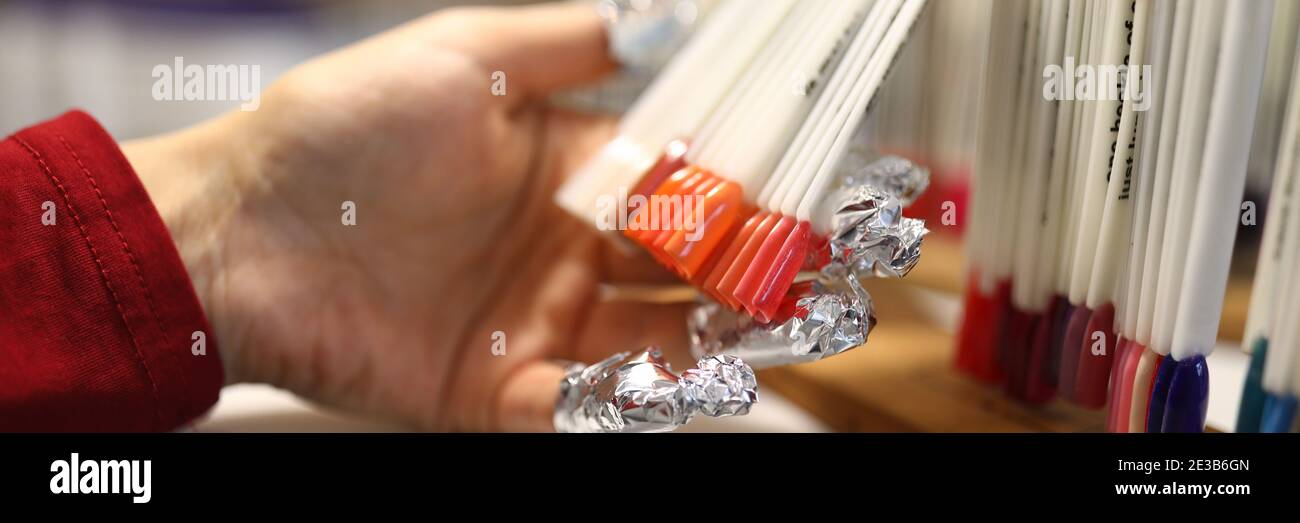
[98,55]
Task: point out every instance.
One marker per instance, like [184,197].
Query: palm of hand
[455,243]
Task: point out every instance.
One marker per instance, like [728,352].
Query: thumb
[527,400]
[539,49]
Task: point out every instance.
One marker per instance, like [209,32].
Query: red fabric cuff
[96,309]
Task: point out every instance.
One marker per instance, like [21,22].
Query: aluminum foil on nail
[638,392]
[827,319]
[892,175]
[869,235]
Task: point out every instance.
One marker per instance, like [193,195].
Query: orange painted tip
[685,218]
[735,272]
[667,214]
[724,244]
[764,257]
[721,208]
[671,186]
[1095,358]
[728,256]
[782,272]
[678,219]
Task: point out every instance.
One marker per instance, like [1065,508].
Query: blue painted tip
[1189,396]
[1159,394]
[1279,413]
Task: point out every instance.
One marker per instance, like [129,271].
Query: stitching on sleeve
[103,273]
[148,295]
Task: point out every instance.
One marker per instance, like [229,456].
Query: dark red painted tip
[1061,311]
[1040,384]
[1071,345]
[1016,346]
[999,325]
[1096,357]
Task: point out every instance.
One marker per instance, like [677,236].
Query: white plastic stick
[1117,214]
[1151,125]
[1098,153]
[1265,290]
[1059,193]
[1171,121]
[1239,75]
[1202,59]
[877,69]
[817,145]
[860,50]
[1029,293]
[1083,154]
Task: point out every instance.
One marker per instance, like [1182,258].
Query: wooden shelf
[904,378]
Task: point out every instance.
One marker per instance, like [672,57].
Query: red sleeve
[96,309]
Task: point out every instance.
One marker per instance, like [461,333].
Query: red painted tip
[1095,358]
[714,279]
[972,308]
[782,272]
[673,160]
[982,322]
[764,257]
[789,307]
[727,246]
[744,259]
[1071,345]
[1127,377]
[819,253]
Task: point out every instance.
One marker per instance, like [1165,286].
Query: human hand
[456,236]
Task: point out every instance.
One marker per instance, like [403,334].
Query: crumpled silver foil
[638,392]
[892,175]
[869,236]
[828,320]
